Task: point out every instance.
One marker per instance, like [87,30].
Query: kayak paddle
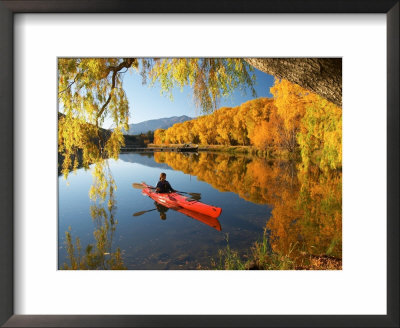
[195,195]
[140,186]
[142,212]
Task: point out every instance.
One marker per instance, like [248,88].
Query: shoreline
[271,153]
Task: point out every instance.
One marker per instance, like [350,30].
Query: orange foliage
[294,120]
[226,126]
[306,204]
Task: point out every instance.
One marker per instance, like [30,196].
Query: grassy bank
[261,257]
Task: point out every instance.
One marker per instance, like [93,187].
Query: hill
[152,125]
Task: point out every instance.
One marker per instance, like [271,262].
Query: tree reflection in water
[305,222]
[100,255]
[306,218]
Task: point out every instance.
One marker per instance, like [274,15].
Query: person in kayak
[163,185]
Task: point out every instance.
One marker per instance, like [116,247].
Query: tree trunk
[322,76]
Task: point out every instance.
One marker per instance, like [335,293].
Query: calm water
[252,193]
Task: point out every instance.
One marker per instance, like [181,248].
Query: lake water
[253,193]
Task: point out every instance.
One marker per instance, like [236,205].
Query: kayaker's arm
[158,187]
[170,188]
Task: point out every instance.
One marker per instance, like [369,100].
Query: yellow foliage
[306,203]
[91,89]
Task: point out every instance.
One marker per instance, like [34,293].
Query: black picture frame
[10,7]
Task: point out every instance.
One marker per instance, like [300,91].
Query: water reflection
[99,256]
[305,221]
[307,203]
[162,210]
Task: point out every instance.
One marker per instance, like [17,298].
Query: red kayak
[175,199]
[212,222]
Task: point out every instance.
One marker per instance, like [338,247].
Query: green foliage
[93,258]
[263,258]
[322,134]
[260,258]
[90,89]
[209,78]
[139,140]
[320,201]
[228,259]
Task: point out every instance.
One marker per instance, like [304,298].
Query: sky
[147,103]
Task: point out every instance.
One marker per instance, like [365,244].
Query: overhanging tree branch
[126,63]
[322,76]
[69,85]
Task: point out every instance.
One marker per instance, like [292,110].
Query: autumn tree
[159,136]
[260,136]
[224,126]
[310,122]
[290,102]
[320,137]
[256,111]
[91,89]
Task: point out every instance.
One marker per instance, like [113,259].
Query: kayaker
[163,185]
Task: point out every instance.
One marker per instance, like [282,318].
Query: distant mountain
[152,125]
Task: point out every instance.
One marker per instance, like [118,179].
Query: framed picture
[42,50]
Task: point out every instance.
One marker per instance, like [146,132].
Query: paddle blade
[142,212]
[195,195]
[139,213]
[138,185]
